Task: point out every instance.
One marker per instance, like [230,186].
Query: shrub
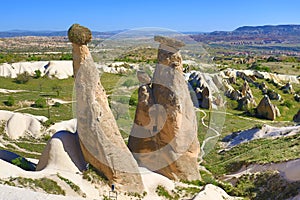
[40,103]
[67,56]
[56,104]
[161,191]
[33,58]
[38,74]
[133,101]
[48,123]
[10,101]
[22,163]
[287,104]
[22,78]
[258,67]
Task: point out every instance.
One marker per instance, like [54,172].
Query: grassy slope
[258,151]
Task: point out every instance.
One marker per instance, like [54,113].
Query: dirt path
[217,134]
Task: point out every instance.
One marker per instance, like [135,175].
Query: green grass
[266,185]
[72,185]
[46,184]
[259,151]
[94,176]
[109,81]
[21,153]
[36,89]
[32,147]
[162,192]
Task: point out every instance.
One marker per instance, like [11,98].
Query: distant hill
[278,34]
[268,29]
[20,33]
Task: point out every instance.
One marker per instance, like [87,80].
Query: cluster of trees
[14,57]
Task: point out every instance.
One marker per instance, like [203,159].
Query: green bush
[287,104]
[48,123]
[22,163]
[46,184]
[56,104]
[10,101]
[258,67]
[38,74]
[161,191]
[40,103]
[133,101]
[33,58]
[22,78]
[67,56]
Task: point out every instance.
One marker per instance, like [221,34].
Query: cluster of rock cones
[164,136]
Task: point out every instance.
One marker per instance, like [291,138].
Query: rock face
[18,125]
[100,140]
[246,101]
[202,90]
[288,88]
[263,87]
[266,109]
[164,135]
[297,117]
[297,97]
[273,95]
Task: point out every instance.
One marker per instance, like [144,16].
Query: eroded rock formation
[247,100]
[62,153]
[296,118]
[266,109]
[164,135]
[99,136]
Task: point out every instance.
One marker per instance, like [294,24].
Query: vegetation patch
[266,185]
[24,164]
[72,185]
[259,151]
[163,192]
[31,146]
[47,185]
[94,176]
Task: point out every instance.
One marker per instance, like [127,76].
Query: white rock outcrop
[20,125]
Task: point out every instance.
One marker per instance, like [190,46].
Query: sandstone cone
[100,140]
[164,136]
[266,109]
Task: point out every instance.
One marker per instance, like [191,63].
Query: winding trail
[217,134]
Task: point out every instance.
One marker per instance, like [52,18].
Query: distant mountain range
[281,33]
[267,33]
[20,33]
[257,30]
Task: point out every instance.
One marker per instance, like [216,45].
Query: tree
[10,101]
[38,74]
[57,89]
[22,78]
[40,103]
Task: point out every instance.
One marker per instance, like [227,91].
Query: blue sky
[183,15]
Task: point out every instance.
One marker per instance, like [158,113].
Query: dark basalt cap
[79,34]
[169,41]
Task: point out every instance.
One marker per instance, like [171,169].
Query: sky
[181,15]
